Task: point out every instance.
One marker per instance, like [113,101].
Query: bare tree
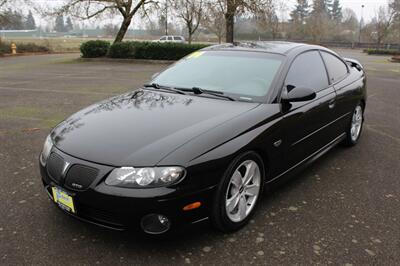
[267,17]
[233,7]
[318,23]
[111,30]
[190,11]
[86,9]
[395,6]
[3,2]
[383,21]
[213,19]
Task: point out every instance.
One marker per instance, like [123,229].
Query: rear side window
[177,38]
[308,70]
[336,68]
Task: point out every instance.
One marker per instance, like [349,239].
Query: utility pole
[166,17]
[361,21]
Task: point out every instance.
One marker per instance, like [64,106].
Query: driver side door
[307,122]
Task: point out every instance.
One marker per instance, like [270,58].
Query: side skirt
[310,159]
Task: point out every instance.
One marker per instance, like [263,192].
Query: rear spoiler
[354,63]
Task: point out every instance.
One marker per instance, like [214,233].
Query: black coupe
[204,137]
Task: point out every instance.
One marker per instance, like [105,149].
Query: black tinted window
[308,71]
[336,68]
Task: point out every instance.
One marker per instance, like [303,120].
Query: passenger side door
[307,123]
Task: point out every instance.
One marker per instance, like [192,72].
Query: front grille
[55,165]
[100,216]
[80,177]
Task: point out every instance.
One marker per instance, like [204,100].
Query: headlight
[48,144]
[130,177]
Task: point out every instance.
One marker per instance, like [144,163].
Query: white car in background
[170,38]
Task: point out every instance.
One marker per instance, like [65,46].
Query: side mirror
[298,94]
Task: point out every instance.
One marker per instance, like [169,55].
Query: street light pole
[361,21]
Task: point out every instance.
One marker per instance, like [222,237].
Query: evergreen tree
[30,23]
[320,7]
[17,22]
[329,7]
[60,26]
[301,12]
[69,26]
[336,11]
[11,20]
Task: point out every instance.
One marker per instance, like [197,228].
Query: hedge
[92,49]
[152,50]
[382,51]
[5,48]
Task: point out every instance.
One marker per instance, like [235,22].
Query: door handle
[332,104]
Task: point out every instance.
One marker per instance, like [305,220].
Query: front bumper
[122,208]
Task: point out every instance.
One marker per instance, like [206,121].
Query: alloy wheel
[243,191]
[356,123]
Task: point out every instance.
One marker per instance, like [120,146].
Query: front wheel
[355,127]
[238,192]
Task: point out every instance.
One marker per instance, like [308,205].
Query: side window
[308,70]
[177,38]
[336,68]
[170,38]
[163,38]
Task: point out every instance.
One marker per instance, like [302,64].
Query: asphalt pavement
[343,210]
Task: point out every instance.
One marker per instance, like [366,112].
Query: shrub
[152,50]
[92,49]
[382,51]
[5,48]
[31,48]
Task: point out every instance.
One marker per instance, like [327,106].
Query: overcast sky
[370,6]
[369,10]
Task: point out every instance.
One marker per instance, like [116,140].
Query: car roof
[276,47]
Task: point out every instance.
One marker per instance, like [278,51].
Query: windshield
[246,75]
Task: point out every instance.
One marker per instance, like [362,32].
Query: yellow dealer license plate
[63,200]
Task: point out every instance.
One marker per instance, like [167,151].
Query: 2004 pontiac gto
[204,137]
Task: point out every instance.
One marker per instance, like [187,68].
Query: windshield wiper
[160,87]
[197,90]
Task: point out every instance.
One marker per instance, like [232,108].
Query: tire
[225,217]
[353,137]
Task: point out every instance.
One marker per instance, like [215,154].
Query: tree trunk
[190,38]
[123,29]
[229,18]
[190,34]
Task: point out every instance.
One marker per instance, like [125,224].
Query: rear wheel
[238,192]
[355,127]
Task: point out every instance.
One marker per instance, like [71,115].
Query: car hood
[142,127]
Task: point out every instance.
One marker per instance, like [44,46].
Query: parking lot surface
[344,209]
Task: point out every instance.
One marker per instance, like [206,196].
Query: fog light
[155,224]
